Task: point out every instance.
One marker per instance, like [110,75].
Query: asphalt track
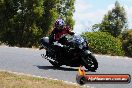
[29,61]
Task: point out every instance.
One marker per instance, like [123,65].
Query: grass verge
[10,80]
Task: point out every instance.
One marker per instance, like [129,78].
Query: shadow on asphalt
[55,68]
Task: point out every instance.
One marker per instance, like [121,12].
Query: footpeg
[43,55]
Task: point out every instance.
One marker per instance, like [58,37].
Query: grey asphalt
[29,61]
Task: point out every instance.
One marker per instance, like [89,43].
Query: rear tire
[90,62]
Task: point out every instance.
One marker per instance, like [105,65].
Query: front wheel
[90,62]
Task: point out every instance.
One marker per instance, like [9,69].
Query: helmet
[59,23]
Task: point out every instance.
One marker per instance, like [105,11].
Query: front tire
[90,62]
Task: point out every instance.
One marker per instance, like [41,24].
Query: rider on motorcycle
[59,31]
[56,37]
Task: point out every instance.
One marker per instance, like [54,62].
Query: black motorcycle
[70,50]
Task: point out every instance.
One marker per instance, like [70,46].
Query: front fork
[84,54]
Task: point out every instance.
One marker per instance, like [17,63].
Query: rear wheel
[90,62]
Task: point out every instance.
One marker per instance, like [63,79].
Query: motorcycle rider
[57,34]
[59,31]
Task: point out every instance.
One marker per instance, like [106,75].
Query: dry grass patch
[9,80]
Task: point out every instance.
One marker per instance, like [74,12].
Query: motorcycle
[70,50]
